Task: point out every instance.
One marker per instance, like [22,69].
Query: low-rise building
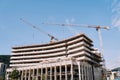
[114,74]
[2,69]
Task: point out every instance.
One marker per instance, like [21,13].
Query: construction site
[74,58]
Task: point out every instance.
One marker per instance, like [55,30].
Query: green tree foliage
[116,69]
[43,77]
[1,78]
[14,74]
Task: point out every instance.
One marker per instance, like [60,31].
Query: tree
[1,78]
[14,75]
[43,77]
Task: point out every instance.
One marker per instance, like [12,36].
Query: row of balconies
[38,48]
[30,60]
[42,51]
[52,50]
[42,64]
[48,55]
[40,57]
[30,64]
[85,58]
[50,46]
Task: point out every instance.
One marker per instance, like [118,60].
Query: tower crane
[98,29]
[88,26]
[51,36]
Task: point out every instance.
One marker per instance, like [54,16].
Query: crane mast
[51,36]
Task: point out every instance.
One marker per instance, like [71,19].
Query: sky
[14,32]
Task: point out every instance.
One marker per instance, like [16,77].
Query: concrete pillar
[65,71]
[22,75]
[71,71]
[25,74]
[41,72]
[19,72]
[29,74]
[33,74]
[85,71]
[46,73]
[50,72]
[91,73]
[60,71]
[37,73]
[88,72]
[79,70]
[82,71]
[55,72]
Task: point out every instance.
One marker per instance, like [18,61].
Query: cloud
[71,29]
[114,62]
[116,13]
[116,21]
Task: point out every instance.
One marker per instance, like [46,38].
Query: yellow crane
[51,36]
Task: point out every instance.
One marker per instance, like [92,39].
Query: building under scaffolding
[69,59]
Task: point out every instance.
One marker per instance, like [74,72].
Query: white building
[114,75]
[69,59]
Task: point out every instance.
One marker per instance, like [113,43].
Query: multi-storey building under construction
[69,59]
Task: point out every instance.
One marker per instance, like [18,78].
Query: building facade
[70,59]
[2,69]
[114,74]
